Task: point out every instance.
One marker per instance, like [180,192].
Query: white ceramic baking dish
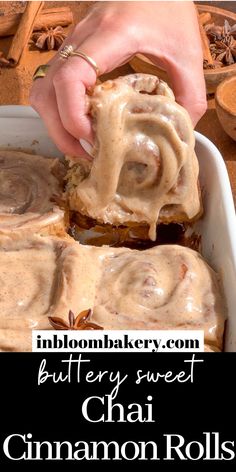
[21,127]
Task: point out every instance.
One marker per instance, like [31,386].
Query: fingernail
[86,146]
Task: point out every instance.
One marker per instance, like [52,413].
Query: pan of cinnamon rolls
[31,194]
[143,174]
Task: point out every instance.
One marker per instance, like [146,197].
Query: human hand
[113,32]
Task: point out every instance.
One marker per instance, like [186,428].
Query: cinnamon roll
[145,169]
[30,188]
[209,348]
[165,287]
[39,277]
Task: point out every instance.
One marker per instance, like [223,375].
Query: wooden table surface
[16,83]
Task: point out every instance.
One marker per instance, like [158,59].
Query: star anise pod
[81,322]
[217,33]
[214,32]
[49,38]
[229,30]
[224,50]
[3,61]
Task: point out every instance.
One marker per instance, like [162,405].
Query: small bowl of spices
[225,98]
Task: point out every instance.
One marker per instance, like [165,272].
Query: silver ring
[68,51]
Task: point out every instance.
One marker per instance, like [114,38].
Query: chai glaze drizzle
[144,169]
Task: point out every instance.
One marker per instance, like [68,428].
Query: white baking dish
[21,127]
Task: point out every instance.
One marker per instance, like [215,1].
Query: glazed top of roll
[29,185]
[166,287]
[144,165]
[38,277]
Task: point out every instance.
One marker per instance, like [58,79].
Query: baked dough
[145,169]
[30,187]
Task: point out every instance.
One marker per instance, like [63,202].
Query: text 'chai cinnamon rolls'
[31,191]
[39,278]
[144,169]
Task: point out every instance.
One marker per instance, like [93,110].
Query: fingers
[75,75]
[70,90]
[60,97]
[188,83]
[47,109]
[190,90]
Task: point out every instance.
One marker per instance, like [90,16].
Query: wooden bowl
[225,98]
[213,77]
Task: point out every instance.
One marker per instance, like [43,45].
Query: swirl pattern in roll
[145,169]
[39,277]
[166,287]
[29,186]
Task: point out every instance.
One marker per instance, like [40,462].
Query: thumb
[189,89]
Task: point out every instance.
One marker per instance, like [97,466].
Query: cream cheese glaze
[28,186]
[38,278]
[144,169]
[166,287]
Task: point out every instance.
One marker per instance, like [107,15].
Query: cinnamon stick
[205,17]
[3,61]
[24,31]
[47,18]
[205,44]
